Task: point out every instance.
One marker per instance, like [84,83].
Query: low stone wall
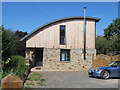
[102,60]
[51,60]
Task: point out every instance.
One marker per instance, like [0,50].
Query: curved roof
[60,20]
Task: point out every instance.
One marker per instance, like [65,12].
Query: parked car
[112,70]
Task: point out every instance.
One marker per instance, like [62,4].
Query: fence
[102,60]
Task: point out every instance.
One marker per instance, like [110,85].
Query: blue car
[112,70]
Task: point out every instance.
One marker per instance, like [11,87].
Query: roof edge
[58,20]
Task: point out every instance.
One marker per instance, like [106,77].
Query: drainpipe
[84,51]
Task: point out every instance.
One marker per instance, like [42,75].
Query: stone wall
[102,60]
[51,60]
[89,53]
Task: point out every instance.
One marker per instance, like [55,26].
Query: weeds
[35,79]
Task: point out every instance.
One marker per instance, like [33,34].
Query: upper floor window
[62,34]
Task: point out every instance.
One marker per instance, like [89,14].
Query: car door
[119,70]
[115,70]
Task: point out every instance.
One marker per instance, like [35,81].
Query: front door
[39,57]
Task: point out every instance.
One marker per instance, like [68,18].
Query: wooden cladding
[73,38]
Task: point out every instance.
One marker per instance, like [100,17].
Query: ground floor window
[64,55]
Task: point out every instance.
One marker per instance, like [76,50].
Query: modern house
[59,45]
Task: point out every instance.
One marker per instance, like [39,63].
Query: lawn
[34,79]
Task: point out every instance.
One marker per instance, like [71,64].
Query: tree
[20,46]
[0,46]
[20,34]
[111,39]
[12,48]
[113,29]
[112,33]
[11,44]
[102,45]
[0,41]
[8,43]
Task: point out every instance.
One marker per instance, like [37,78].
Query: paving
[75,79]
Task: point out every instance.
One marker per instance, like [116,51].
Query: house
[59,45]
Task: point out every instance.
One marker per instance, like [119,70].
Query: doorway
[39,57]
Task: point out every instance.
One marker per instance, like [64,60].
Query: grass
[30,84]
[0,75]
[34,79]
[26,87]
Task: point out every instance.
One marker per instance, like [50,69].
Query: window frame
[67,54]
[62,43]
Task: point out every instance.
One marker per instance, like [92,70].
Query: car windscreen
[114,64]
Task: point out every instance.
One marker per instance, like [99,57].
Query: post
[111,57]
[92,60]
[84,33]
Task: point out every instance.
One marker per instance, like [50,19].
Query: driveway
[75,79]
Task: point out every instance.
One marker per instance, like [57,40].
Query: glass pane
[65,55]
[62,40]
[68,55]
[62,34]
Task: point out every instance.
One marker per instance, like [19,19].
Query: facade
[59,45]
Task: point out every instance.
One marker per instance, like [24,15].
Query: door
[39,57]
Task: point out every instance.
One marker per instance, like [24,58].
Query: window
[62,34]
[114,64]
[64,55]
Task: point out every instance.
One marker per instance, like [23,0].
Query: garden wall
[102,60]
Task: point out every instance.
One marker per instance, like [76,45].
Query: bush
[16,65]
[19,66]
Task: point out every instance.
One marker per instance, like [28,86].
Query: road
[75,79]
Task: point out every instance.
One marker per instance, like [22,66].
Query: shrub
[19,66]
[16,65]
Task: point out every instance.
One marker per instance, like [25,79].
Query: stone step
[38,68]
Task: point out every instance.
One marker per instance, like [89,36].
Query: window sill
[65,61]
[62,44]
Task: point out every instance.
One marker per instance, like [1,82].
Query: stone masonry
[51,60]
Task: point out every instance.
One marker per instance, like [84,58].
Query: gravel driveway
[75,79]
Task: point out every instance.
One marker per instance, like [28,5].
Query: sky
[27,16]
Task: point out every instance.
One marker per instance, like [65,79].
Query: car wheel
[105,74]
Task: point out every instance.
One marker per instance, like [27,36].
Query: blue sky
[27,16]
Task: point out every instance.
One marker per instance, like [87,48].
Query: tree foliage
[12,48]
[16,65]
[0,42]
[111,39]
[113,29]
[8,43]
[103,44]
[11,44]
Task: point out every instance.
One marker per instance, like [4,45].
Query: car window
[119,65]
[114,64]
